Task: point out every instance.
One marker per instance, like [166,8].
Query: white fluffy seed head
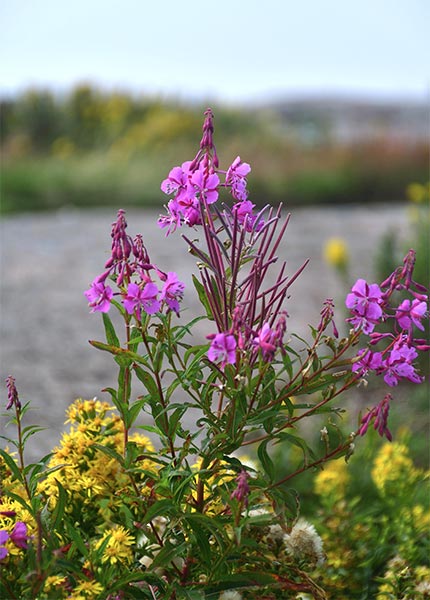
[230,595]
[304,543]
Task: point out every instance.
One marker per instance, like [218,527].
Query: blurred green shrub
[52,146]
[373,514]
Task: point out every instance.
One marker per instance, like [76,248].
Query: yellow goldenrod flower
[336,252]
[331,482]
[88,589]
[418,517]
[118,547]
[416,192]
[393,470]
[54,582]
[85,471]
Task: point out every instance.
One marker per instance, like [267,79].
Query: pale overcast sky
[226,49]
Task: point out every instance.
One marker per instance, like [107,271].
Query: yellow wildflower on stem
[118,546]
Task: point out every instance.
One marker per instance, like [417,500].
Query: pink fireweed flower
[205,184]
[12,394]
[369,361]
[178,181]
[172,220]
[245,216]
[172,292]
[4,536]
[364,302]
[410,313]
[192,216]
[380,416]
[121,246]
[399,365]
[236,178]
[138,298]
[120,251]
[222,349]
[242,490]
[19,535]
[266,341]
[327,316]
[401,278]
[99,296]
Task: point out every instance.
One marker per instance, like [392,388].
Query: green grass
[100,179]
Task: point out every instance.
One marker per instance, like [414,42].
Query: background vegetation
[94,148]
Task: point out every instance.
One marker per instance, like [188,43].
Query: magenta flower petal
[99,296]
[364,303]
[4,536]
[223,349]
[411,313]
[149,301]
[138,298]
[172,292]
[206,184]
[19,535]
[236,179]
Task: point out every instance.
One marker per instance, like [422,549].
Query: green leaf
[109,452]
[150,428]
[120,352]
[179,331]
[10,462]
[58,513]
[174,418]
[135,339]
[77,539]
[203,297]
[201,532]
[124,387]
[321,383]
[197,352]
[300,443]
[20,500]
[111,336]
[168,553]
[134,410]
[265,460]
[147,381]
[161,507]
[31,430]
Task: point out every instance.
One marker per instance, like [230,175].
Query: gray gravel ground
[48,260]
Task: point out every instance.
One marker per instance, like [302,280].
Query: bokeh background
[328,101]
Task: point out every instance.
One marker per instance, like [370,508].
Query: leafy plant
[109,515]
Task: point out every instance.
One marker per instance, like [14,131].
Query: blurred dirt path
[48,260]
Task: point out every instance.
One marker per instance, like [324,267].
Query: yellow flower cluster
[85,471]
[394,471]
[336,252]
[418,193]
[331,482]
[86,590]
[116,543]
